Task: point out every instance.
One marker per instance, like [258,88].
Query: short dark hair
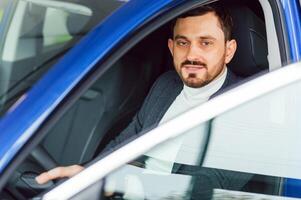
[220,11]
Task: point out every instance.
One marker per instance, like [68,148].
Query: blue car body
[51,90]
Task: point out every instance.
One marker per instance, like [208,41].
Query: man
[201,47]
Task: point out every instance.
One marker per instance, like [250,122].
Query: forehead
[199,26]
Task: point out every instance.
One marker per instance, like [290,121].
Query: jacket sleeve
[208,179]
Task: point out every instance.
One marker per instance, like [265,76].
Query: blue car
[73,73]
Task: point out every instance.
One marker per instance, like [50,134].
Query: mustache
[198,63]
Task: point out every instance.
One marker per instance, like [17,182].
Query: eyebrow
[180,37]
[201,37]
[207,37]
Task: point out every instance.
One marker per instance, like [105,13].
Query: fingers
[58,172]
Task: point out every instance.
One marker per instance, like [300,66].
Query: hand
[59,172]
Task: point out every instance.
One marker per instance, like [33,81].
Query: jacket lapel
[231,79]
[174,88]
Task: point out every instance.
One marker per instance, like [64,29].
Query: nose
[194,53]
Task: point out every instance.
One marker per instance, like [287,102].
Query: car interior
[34,41]
[109,105]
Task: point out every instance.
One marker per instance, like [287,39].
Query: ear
[230,50]
[170,46]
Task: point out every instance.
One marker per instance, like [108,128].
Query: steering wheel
[22,184]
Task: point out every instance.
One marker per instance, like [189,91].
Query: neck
[221,73]
[206,91]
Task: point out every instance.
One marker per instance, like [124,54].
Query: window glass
[55,30]
[3,5]
[251,149]
[100,114]
[1,14]
[92,192]
[37,33]
[265,131]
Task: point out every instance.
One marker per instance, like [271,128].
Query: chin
[195,84]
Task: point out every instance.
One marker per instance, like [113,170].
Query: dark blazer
[162,94]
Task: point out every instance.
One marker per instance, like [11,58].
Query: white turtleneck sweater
[184,149]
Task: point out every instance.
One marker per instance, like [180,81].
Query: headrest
[76,23]
[249,32]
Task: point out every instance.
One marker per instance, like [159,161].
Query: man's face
[199,50]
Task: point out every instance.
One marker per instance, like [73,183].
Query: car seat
[252,51]
[107,107]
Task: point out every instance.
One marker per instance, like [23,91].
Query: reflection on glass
[1,14]
[36,34]
[168,171]
[3,5]
[251,148]
[262,136]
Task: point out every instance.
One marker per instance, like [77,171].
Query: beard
[195,81]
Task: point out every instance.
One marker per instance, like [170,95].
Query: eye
[182,43]
[206,43]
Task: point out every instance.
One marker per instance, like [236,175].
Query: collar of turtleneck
[194,96]
[173,150]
